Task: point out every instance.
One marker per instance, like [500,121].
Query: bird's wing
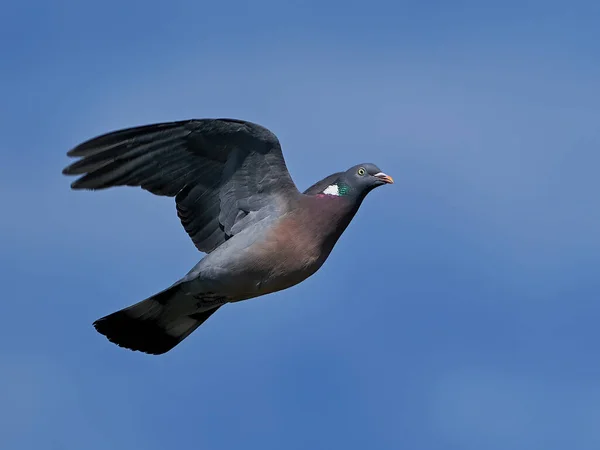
[225,174]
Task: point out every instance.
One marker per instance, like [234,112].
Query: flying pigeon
[239,205]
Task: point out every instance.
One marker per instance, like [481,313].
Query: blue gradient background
[459,310]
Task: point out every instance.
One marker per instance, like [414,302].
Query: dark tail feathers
[153,325]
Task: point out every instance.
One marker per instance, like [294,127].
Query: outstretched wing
[224,174]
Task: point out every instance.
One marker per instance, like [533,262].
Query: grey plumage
[237,202]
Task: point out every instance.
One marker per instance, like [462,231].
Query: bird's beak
[385,178]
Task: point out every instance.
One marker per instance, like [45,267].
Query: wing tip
[68,170]
[77,184]
[87,147]
[73,152]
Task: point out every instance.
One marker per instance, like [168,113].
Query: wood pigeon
[238,203]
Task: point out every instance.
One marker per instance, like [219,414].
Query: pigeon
[239,205]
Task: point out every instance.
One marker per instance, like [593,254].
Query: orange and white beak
[385,178]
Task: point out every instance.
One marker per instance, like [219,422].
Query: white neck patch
[332,190]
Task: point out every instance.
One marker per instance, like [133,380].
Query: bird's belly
[283,264]
[252,277]
[277,280]
[270,262]
[274,266]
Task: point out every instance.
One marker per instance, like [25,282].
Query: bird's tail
[154,325]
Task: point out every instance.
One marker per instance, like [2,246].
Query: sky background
[459,310]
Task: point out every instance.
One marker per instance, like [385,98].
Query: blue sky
[459,310]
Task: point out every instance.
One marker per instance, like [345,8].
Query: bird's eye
[361,171]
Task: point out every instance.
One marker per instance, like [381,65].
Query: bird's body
[277,254]
[237,202]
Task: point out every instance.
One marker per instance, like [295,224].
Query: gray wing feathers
[154,158]
[223,173]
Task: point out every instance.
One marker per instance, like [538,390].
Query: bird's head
[357,181]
